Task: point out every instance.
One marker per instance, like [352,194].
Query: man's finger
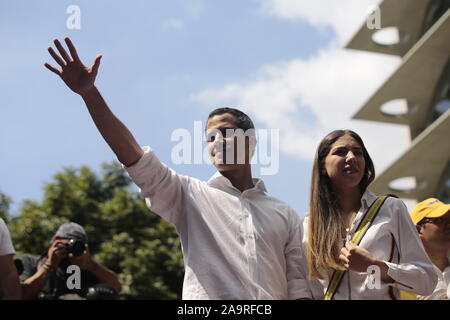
[52,69]
[59,251]
[62,51]
[72,49]
[96,63]
[56,57]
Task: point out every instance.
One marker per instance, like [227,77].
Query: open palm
[74,73]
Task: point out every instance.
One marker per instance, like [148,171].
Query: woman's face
[345,163]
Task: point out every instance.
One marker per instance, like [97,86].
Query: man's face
[227,145]
[436,232]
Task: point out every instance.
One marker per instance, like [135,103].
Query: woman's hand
[74,73]
[356,258]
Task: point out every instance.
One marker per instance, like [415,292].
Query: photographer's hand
[55,254]
[103,274]
[45,269]
[84,261]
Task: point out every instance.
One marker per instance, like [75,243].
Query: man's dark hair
[243,121]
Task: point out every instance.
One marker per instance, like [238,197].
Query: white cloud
[195,8]
[307,98]
[173,24]
[344,16]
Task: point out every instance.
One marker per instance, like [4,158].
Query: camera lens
[76,247]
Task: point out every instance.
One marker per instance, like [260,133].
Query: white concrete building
[417,94]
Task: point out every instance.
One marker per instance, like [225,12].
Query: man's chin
[228,167]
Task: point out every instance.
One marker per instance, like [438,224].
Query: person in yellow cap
[432,220]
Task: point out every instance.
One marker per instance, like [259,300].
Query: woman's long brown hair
[325,223]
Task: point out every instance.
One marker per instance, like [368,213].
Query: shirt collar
[368,198]
[439,272]
[219,181]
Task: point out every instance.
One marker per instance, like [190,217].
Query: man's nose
[219,142]
[219,137]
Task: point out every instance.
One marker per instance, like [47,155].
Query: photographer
[46,276]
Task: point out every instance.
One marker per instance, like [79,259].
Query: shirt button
[250,236]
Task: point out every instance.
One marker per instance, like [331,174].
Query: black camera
[75,247]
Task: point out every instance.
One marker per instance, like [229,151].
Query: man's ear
[419,230]
[252,141]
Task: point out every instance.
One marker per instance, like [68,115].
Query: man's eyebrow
[220,129]
[234,129]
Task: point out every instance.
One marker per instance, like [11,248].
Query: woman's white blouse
[409,267]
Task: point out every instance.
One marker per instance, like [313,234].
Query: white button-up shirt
[6,246]
[442,290]
[410,267]
[236,245]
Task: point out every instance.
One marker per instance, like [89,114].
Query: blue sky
[167,64]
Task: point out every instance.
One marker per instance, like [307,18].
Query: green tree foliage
[123,234]
[5,201]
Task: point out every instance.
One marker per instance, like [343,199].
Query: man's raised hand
[74,73]
[80,79]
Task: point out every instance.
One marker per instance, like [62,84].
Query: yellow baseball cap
[429,208]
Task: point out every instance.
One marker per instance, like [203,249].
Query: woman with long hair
[390,255]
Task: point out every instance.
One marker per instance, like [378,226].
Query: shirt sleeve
[29,264]
[414,271]
[162,188]
[296,265]
[447,283]
[6,246]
